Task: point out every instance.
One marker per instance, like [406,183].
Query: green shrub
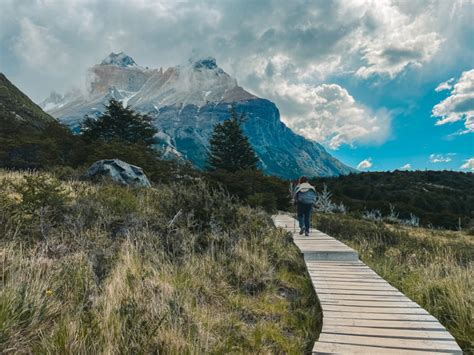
[32,204]
[254,188]
[266,200]
[40,192]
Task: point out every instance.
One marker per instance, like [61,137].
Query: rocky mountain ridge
[186,102]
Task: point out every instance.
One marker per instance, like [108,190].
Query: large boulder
[119,171]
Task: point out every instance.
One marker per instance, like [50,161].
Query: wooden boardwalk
[362,313]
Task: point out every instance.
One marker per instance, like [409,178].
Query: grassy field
[175,269]
[432,267]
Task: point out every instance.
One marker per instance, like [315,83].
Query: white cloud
[320,39]
[441,158]
[328,114]
[400,37]
[459,105]
[468,165]
[445,85]
[406,167]
[37,47]
[365,164]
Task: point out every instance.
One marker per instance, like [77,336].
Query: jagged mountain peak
[204,63]
[119,59]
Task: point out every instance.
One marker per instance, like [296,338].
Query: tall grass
[175,269]
[435,268]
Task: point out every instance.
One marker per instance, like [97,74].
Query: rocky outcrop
[119,171]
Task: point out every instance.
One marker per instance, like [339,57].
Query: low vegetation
[433,267]
[174,269]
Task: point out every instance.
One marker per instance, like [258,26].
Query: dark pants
[304,215]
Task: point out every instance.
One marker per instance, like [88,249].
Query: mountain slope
[29,137]
[15,106]
[186,102]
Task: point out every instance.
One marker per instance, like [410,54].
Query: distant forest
[438,198]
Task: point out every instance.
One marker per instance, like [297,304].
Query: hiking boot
[306,234]
[301,231]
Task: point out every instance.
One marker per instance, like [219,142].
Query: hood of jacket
[304,187]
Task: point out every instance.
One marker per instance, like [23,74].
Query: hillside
[29,137]
[15,106]
[186,102]
[437,198]
[105,269]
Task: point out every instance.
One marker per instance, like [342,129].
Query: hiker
[304,197]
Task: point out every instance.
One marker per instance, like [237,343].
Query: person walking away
[304,197]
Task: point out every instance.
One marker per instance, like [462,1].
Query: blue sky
[358,76]
[414,137]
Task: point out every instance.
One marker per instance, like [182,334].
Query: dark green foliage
[254,188]
[439,198]
[119,123]
[23,146]
[229,148]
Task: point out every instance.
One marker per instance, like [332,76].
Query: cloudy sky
[383,84]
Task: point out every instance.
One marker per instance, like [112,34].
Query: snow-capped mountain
[186,102]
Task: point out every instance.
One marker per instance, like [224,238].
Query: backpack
[307,197]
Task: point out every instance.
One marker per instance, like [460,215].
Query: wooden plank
[368,287]
[355,298]
[380,323]
[334,348]
[368,303]
[350,274]
[380,310]
[352,284]
[321,290]
[385,316]
[390,332]
[395,342]
[348,279]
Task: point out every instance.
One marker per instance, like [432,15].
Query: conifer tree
[229,148]
[121,124]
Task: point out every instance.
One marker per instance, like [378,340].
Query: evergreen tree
[121,124]
[229,148]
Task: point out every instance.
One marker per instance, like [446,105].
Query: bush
[32,204]
[40,192]
[254,188]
